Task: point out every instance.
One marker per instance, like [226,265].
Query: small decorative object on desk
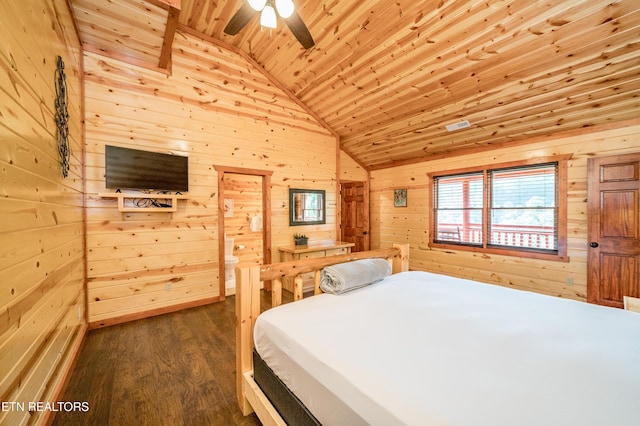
[300,239]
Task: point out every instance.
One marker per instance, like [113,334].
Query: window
[515,209]
[306,206]
[458,210]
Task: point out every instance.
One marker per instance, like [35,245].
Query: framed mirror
[307,207]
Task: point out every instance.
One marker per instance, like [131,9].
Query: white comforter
[426,349]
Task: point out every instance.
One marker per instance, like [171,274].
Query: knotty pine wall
[350,170]
[410,224]
[218,109]
[42,259]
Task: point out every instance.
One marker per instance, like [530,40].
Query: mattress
[420,348]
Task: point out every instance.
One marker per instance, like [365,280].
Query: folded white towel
[348,276]
[256,223]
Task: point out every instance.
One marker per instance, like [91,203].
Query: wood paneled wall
[350,170]
[410,224]
[220,110]
[42,261]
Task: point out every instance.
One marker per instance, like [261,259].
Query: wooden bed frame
[248,280]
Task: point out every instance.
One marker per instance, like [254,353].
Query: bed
[419,348]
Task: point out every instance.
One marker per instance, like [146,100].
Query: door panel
[614,229]
[618,283]
[619,215]
[355,214]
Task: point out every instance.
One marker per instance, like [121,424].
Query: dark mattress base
[292,411]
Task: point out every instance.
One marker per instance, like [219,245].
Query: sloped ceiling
[388,76]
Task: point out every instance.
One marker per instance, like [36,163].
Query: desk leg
[287,282]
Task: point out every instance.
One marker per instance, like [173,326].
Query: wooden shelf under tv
[121,196]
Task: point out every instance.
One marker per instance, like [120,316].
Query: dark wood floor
[174,369]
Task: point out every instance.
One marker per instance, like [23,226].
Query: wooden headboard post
[248,279]
[401,261]
[247,310]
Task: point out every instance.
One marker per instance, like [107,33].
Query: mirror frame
[292,194]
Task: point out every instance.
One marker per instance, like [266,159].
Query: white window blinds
[514,208]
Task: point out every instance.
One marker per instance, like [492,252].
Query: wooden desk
[311,250]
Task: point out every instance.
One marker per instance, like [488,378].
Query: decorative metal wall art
[62,117]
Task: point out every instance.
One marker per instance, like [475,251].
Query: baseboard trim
[67,370]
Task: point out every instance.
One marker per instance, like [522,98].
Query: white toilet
[230,262]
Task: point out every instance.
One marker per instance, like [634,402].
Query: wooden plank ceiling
[388,76]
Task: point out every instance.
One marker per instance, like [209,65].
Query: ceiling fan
[285,8]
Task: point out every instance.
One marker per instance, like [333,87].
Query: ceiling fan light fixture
[268,17]
[285,8]
[257,5]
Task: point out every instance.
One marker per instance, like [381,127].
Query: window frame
[561,195]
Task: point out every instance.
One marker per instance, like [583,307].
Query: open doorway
[244,220]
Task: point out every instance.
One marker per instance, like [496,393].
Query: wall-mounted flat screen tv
[136,169]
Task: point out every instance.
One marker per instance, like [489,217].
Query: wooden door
[614,229]
[355,214]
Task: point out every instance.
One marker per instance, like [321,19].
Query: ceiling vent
[458,126]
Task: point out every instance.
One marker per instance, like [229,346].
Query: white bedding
[426,349]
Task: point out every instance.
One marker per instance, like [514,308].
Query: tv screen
[136,169]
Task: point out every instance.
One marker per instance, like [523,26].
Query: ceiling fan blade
[300,30]
[240,19]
